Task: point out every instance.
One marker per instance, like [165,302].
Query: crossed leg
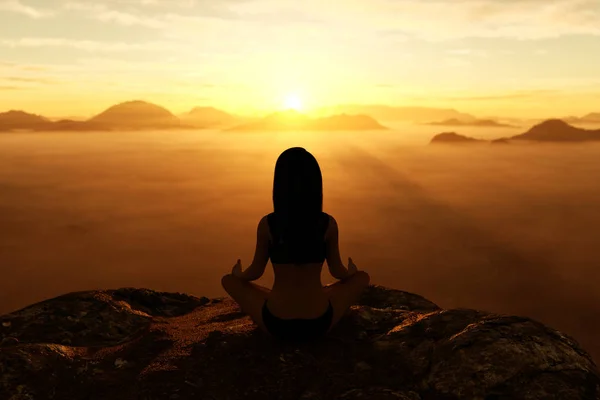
[344,294]
[250,297]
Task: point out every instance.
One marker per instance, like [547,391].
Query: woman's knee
[227,280]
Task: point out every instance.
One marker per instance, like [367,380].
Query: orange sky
[529,58]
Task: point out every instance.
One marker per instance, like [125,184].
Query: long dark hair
[297,191]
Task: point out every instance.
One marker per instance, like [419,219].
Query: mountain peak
[557,130]
[17,119]
[20,114]
[136,113]
[452,137]
[554,123]
[205,109]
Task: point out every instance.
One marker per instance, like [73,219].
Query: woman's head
[298,184]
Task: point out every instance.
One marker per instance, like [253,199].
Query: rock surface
[141,344]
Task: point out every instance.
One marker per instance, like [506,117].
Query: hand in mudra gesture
[352,269]
[237,269]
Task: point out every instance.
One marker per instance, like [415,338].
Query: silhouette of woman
[298,237]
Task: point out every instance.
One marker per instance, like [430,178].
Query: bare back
[297,291]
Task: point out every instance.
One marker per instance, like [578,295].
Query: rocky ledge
[142,344]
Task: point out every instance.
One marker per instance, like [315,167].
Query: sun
[293,102]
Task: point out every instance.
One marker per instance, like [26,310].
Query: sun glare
[293,102]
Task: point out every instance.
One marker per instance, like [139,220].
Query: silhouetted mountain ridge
[454,138]
[294,120]
[16,119]
[398,113]
[556,130]
[553,130]
[130,115]
[136,114]
[591,118]
[207,117]
[488,123]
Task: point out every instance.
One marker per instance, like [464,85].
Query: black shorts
[298,329]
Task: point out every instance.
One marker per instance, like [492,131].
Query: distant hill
[15,120]
[293,120]
[77,126]
[484,123]
[591,118]
[556,130]
[207,117]
[454,138]
[405,114]
[136,115]
[346,122]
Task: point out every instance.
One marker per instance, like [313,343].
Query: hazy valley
[508,229]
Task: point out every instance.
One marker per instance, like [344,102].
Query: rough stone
[141,344]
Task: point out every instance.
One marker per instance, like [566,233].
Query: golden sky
[524,58]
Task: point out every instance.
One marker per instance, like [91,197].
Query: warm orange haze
[459,144]
[491,58]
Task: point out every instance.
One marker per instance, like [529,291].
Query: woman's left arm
[261,253]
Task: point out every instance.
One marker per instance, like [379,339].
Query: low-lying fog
[510,229]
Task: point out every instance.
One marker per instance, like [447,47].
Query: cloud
[36,68]
[16,6]
[435,20]
[102,13]
[134,14]
[503,96]
[385,86]
[23,67]
[28,80]
[87,45]
[7,88]
[456,62]
[441,20]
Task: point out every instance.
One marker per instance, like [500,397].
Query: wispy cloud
[385,85]
[7,88]
[431,20]
[103,13]
[503,96]
[167,16]
[35,68]
[87,45]
[28,80]
[17,6]
[455,62]
[441,20]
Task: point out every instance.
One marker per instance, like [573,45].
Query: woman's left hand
[237,269]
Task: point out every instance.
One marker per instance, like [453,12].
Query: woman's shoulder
[330,223]
[267,219]
[329,217]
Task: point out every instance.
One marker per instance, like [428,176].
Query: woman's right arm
[334,261]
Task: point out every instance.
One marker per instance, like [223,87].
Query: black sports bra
[303,247]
